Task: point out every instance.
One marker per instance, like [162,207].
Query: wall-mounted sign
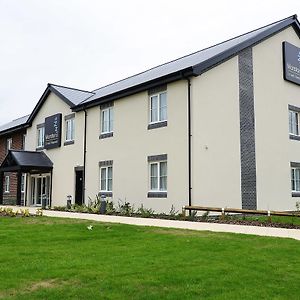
[53,131]
[291,63]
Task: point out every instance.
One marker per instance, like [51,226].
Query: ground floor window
[295,179]
[158,176]
[106,179]
[23,183]
[6,184]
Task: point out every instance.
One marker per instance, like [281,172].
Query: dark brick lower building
[12,136]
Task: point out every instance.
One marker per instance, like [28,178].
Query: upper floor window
[107,120]
[40,136]
[158,107]
[295,179]
[70,129]
[293,122]
[8,144]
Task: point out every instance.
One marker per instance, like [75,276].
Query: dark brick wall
[17,144]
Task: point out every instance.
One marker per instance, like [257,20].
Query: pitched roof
[13,125]
[26,160]
[192,64]
[70,96]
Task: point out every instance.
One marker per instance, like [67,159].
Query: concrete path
[263,231]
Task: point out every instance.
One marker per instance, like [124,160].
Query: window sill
[157,194]
[158,125]
[295,194]
[39,148]
[106,135]
[6,193]
[66,143]
[106,194]
[294,137]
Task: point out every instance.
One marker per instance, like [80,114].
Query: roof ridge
[71,88]
[238,36]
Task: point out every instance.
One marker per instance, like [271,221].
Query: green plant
[298,206]
[204,216]
[192,216]
[173,213]
[145,212]
[110,210]
[25,212]
[39,212]
[60,208]
[125,209]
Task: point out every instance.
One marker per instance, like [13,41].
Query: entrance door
[40,189]
[79,187]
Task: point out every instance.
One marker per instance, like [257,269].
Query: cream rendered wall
[64,158]
[132,143]
[274,149]
[216,165]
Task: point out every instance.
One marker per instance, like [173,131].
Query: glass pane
[154,176]
[109,185]
[103,179]
[154,109]
[163,107]
[163,176]
[105,121]
[111,119]
[38,188]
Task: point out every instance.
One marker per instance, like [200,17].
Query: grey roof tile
[14,123]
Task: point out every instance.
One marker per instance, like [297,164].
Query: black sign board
[53,131]
[291,63]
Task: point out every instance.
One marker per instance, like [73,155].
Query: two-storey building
[218,127]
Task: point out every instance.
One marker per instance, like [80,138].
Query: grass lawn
[51,258]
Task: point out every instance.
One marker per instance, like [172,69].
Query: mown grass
[50,258]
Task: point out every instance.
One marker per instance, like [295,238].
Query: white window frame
[297,133]
[293,179]
[40,133]
[70,130]
[106,179]
[23,179]
[110,112]
[158,95]
[7,184]
[158,163]
[9,144]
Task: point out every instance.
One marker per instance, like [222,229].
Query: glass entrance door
[40,189]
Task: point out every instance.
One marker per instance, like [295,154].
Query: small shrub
[39,212]
[125,208]
[110,210]
[204,216]
[192,216]
[145,212]
[173,213]
[60,208]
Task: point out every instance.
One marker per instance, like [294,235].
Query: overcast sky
[88,43]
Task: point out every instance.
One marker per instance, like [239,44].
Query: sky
[86,44]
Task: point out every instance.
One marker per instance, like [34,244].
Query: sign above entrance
[291,63]
[53,131]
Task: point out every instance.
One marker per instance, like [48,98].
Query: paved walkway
[263,231]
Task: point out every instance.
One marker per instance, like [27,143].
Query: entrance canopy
[26,162]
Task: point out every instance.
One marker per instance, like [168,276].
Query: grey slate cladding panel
[295,164]
[294,137]
[157,157]
[247,130]
[105,163]
[158,125]
[106,135]
[157,195]
[294,108]
[70,116]
[158,89]
[107,105]
[106,194]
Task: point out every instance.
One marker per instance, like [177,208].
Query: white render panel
[274,149]
[216,137]
[64,158]
[132,143]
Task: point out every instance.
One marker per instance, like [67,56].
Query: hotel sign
[291,63]
[53,131]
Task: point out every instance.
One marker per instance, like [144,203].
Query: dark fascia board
[136,89]
[216,60]
[8,131]
[43,99]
